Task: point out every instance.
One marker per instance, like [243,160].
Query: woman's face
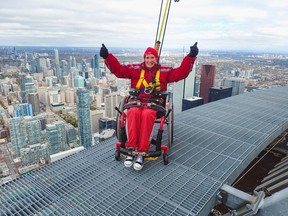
[150,61]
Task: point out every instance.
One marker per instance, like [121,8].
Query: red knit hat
[152,51]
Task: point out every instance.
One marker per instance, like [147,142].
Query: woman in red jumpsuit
[146,75]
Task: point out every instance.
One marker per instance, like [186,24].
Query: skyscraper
[78,81]
[17,134]
[208,74]
[24,109]
[23,80]
[219,93]
[33,129]
[84,121]
[183,89]
[96,66]
[57,65]
[71,135]
[56,137]
[33,99]
[84,70]
[111,101]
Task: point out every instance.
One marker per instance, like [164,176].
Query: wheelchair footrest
[147,154]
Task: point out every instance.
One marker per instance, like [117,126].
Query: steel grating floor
[213,144]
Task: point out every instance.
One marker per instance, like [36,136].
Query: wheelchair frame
[167,119]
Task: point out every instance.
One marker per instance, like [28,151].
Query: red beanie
[152,51]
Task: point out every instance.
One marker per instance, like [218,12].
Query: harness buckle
[148,90]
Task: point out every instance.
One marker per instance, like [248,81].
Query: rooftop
[213,144]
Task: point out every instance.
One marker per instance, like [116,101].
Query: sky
[254,25]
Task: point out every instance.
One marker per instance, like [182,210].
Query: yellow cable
[164,17]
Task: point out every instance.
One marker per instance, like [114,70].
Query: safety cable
[163,19]
[165,28]
[159,35]
[159,18]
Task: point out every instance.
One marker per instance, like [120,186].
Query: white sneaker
[139,163]
[128,161]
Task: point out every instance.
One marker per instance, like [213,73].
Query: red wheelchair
[163,103]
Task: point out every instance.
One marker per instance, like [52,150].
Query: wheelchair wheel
[165,159]
[118,120]
[117,155]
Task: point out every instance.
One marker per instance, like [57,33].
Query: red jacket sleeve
[182,71]
[120,71]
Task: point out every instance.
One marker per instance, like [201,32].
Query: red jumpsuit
[140,120]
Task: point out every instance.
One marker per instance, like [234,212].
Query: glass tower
[96,66]
[57,65]
[56,137]
[18,134]
[84,122]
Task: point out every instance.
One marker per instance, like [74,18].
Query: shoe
[139,163]
[128,161]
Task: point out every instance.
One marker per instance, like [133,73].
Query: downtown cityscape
[74,140]
[57,101]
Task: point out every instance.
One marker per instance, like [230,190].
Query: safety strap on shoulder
[152,85]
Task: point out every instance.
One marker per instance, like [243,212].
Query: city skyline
[221,25]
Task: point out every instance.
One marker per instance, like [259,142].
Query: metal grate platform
[213,144]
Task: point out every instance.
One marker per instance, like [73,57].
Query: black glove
[193,50]
[104,52]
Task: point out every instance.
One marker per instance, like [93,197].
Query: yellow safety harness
[149,87]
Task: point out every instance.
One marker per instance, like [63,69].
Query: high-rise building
[34,153]
[216,93]
[71,135]
[196,87]
[24,109]
[50,81]
[57,65]
[237,84]
[23,80]
[110,102]
[95,116]
[43,120]
[33,130]
[17,134]
[208,75]
[84,69]
[30,88]
[78,81]
[84,121]
[183,89]
[56,137]
[95,66]
[33,99]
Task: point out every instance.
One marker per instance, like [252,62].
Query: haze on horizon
[258,25]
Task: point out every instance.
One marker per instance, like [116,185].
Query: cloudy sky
[215,24]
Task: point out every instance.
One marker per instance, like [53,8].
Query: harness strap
[151,85]
[157,81]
